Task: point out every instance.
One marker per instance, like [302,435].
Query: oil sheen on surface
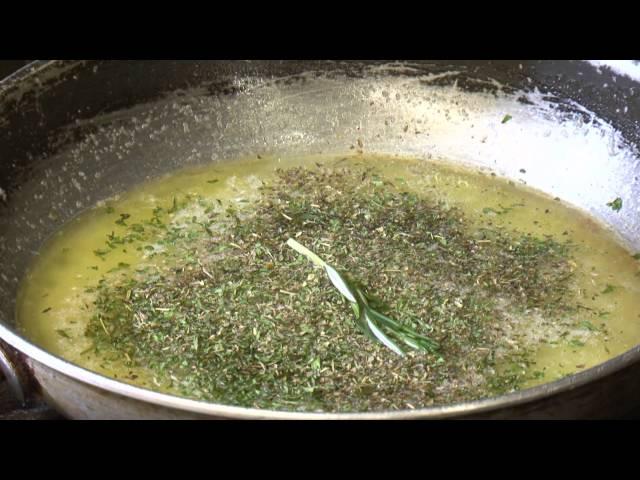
[54,306]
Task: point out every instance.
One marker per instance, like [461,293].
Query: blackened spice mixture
[222,310]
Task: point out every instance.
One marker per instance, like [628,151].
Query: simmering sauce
[186,285]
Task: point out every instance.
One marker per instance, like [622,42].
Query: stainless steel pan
[73,133]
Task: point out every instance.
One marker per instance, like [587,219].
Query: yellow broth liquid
[53,307]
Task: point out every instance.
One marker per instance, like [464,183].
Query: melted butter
[53,307]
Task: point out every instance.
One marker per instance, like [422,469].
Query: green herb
[174,206]
[63,333]
[506,118]
[120,266]
[608,289]
[372,323]
[636,256]
[587,325]
[123,217]
[615,205]
[100,253]
[502,210]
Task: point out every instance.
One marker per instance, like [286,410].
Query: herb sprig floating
[373,324]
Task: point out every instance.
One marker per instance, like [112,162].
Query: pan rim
[460,409]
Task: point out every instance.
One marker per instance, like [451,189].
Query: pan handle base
[14,373]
